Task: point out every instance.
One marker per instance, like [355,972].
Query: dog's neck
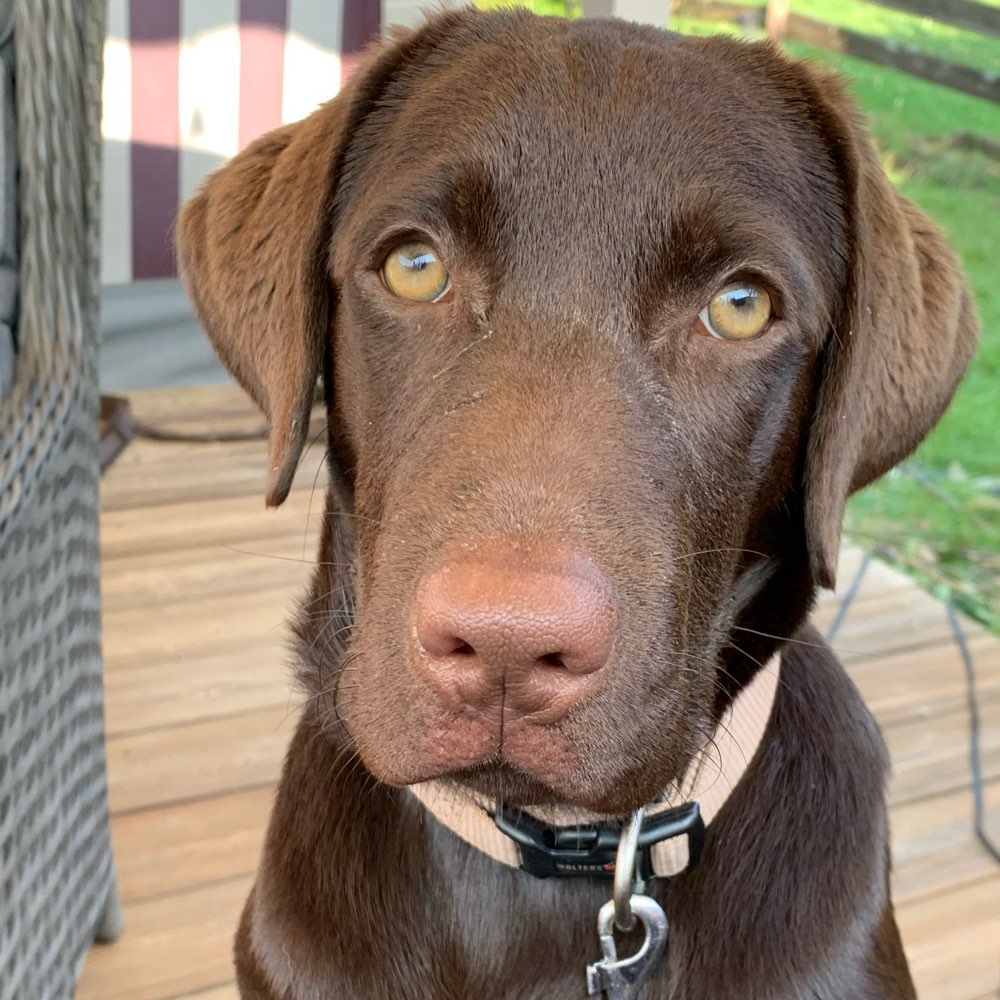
[710,779]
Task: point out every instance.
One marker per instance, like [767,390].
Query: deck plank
[199,583]
[935,847]
[239,520]
[195,686]
[180,847]
[953,940]
[210,569]
[175,944]
[198,759]
[927,681]
[931,755]
[227,991]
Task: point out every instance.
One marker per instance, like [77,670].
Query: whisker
[804,642]
[705,552]
[468,347]
[319,468]
[358,517]
[269,555]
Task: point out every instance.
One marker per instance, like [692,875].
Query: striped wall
[188,83]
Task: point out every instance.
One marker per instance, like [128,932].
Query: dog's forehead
[567,137]
[542,99]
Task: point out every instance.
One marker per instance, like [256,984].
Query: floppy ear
[905,333]
[253,247]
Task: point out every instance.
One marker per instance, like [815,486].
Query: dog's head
[611,322]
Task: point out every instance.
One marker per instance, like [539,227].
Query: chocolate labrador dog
[611,322]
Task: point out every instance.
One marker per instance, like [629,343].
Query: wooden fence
[780,21]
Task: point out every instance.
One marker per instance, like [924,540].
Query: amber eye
[413,271]
[740,311]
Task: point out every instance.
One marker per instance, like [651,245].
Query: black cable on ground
[975,743]
[848,599]
[975,748]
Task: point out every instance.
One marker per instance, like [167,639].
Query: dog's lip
[533,766]
[500,780]
[471,745]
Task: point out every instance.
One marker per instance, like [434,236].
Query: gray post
[641,11]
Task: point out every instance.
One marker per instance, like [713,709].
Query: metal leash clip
[623,978]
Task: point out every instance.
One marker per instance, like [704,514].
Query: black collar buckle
[590,849]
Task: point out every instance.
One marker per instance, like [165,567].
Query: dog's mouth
[521,763]
[498,779]
[525,764]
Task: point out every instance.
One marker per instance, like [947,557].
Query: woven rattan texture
[56,873]
[55,853]
[57,83]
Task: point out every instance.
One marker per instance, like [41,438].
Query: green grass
[943,527]
[921,33]
[548,8]
[938,514]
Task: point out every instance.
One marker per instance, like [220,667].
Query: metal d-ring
[625,883]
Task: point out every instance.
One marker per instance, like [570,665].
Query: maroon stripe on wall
[155,36]
[360,25]
[263,24]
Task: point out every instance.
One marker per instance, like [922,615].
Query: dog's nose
[530,632]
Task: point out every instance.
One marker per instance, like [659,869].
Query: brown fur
[589,186]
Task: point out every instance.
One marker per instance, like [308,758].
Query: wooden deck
[198,579]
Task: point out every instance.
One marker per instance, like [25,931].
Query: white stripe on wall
[312,57]
[116,128]
[209,100]
[406,13]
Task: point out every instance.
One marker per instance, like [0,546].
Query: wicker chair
[57,888]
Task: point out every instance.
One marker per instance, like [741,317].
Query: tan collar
[709,781]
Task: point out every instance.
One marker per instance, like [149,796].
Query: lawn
[938,514]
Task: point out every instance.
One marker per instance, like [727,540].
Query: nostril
[552,660]
[443,643]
